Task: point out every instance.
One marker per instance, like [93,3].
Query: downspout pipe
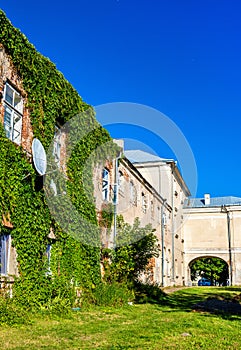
[173,228]
[225,210]
[115,201]
[162,241]
[229,249]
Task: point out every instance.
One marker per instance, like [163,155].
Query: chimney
[120,143]
[207,199]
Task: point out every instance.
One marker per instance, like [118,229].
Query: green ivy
[51,100]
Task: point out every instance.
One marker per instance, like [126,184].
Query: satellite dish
[39,157]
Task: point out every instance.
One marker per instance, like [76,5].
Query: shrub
[12,314]
[54,295]
[114,294]
[136,245]
[108,294]
[148,293]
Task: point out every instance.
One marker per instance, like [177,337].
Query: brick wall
[9,73]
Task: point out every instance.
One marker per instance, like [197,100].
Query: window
[143,202]
[53,187]
[133,193]
[120,181]
[5,243]
[57,145]
[105,184]
[164,220]
[152,208]
[13,113]
[48,255]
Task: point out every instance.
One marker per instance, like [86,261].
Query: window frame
[57,145]
[120,181]
[5,246]
[105,184]
[13,114]
[144,202]
[48,258]
[133,193]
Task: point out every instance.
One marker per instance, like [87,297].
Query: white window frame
[5,246]
[105,184]
[57,145]
[48,256]
[13,113]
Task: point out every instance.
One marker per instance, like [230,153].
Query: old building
[164,175]
[132,197]
[35,101]
[14,117]
[153,190]
[212,229]
[35,98]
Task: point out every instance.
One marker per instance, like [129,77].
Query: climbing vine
[51,100]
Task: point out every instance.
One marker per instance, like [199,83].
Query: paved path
[169,290]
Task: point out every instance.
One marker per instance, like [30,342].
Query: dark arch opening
[209,270]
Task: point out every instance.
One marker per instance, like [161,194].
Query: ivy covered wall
[51,99]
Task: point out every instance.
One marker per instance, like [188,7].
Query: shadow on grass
[185,300]
[221,301]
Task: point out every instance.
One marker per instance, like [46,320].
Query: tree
[214,269]
[135,246]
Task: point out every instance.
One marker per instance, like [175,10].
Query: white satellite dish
[39,157]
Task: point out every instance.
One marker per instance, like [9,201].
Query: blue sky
[182,58]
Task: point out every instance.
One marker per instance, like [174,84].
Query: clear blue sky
[182,58]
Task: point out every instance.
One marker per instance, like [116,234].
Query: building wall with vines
[48,100]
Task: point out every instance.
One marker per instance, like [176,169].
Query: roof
[138,156]
[141,157]
[214,202]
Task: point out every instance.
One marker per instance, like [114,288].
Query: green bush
[12,314]
[148,293]
[49,294]
[114,294]
[108,294]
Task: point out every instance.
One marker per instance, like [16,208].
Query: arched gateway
[213,268]
[213,228]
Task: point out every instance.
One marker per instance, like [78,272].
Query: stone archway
[214,268]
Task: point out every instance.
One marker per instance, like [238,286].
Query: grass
[172,325]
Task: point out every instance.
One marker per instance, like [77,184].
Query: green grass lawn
[172,325]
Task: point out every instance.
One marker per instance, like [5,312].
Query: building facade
[163,174]
[14,117]
[135,185]
[212,229]
[152,190]
[34,99]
